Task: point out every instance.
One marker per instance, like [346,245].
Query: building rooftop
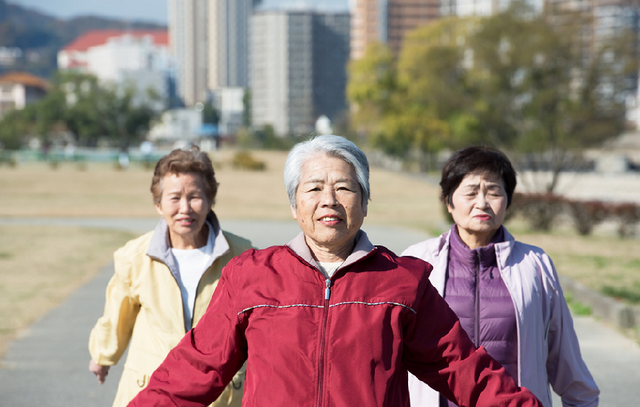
[25,78]
[100,37]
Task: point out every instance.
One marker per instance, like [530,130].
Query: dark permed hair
[476,159]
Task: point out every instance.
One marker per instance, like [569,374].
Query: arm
[111,334]
[197,370]
[439,353]
[567,372]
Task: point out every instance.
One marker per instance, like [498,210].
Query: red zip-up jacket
[344,341]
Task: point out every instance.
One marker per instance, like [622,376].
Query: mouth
[185,221]
[483,217]
[330,220]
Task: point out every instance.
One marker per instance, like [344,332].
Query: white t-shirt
[192,264]
[329,269]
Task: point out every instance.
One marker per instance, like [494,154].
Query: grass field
[40,266]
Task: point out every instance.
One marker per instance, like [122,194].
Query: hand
[100,371]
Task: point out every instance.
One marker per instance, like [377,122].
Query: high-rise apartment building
[229,42]
[388,21]
[188,41]
[210,41]
[298,68]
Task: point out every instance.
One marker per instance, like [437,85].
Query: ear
[159,209]
[365,207]
[294,213]
[449,207]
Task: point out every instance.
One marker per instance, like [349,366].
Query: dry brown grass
[607,264]
[34,190]
[41,265]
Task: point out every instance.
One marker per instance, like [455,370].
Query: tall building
[210,39]
[229,42]
[188,39]
[388,21]
[298,68]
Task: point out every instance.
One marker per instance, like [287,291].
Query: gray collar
[362,249]
[160,249]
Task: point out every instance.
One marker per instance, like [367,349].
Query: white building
[177,125]
[18,89]
[229,104]
[130,58]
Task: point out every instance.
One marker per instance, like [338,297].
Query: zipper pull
[327,291]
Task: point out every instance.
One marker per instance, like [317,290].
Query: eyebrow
[321,181]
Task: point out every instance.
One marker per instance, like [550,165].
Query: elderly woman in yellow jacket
[164,280]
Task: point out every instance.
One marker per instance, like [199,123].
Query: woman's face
[478,207]
[329,207]
[184,206]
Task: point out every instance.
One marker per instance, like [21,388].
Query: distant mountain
[40,36]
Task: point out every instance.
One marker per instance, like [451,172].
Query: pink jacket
[548,349]
[344,341]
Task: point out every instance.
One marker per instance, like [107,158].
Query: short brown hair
[183,162]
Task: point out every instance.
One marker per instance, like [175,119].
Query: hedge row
[542,211]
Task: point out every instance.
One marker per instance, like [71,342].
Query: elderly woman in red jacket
[328,319]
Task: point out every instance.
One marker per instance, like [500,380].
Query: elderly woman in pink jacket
[505,293]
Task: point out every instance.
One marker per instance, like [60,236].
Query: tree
[87,109]
[522,81]
[539,94]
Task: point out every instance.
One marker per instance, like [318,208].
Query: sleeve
[439,353]
[197,370]
[566,370]
[111,334]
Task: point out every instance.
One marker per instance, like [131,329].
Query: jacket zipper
[327,295]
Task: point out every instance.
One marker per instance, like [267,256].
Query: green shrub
[244,160]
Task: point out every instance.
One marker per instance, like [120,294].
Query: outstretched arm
[439,353]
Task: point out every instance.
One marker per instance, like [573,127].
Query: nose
[329,197]
[185,205]
[482,201]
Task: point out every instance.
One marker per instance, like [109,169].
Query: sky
[144,10]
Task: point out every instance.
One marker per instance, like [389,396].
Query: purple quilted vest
[476,292]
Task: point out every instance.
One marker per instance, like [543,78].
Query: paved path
[47,364]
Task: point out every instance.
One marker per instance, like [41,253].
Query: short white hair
[333,146]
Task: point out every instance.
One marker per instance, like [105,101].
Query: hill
[38,36]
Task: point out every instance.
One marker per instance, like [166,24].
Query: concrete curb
[623,317]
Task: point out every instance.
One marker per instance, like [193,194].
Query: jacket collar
[160,249]
[362,249]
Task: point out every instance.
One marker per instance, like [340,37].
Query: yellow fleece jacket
[143,309]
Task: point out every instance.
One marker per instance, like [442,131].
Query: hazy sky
[146,10]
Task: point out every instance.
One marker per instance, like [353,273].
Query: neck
[325,254]
[475,240]
[190,242]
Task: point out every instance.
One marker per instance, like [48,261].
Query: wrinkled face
[479,206]
[183,205]
[329,207]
